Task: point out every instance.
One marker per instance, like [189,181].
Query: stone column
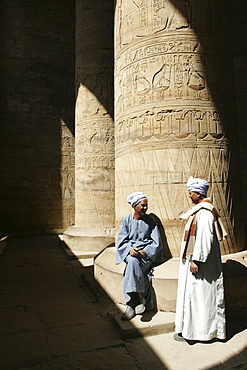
[94,132]
[175,111]
[239,28]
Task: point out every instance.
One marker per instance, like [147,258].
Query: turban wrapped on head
[134,198]
[197,185]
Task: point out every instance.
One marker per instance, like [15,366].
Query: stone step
[86,262]
[148,324]
[85,257]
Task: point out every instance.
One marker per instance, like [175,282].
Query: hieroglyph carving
[95,145]
[94,132]
[180,123]
[144,18]
[141,18]
[153,74]
[67,163]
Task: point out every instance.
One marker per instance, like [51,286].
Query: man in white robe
[200,310]
[139,246]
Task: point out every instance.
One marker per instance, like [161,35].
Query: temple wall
[37,115]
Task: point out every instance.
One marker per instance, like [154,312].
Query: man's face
[142,207]
[195,197]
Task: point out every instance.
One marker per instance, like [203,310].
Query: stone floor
[52,317]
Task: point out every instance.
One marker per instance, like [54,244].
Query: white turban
[197,185]
[134,198]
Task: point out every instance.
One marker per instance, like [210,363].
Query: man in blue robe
[139,246]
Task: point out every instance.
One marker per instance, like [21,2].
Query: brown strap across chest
[189,238]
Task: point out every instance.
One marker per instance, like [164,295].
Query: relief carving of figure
[91,105]
[196,80]
[102,88]
[161,79]
[129,17]
[141,83]
[172,18]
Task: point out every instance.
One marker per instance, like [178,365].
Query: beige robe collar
[207,204]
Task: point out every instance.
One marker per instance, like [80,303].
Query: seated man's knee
[130,260]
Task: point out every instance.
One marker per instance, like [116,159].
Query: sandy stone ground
[52,318]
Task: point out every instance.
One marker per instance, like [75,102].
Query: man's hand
[142,254]
[137,252]
[194,268]
[134,252]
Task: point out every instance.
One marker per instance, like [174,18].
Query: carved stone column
[94,133]
[239,27]
[175,111]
